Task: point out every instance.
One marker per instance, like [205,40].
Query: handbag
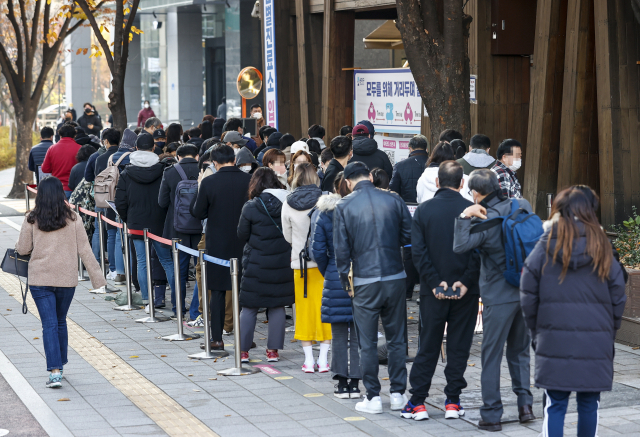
[16,264]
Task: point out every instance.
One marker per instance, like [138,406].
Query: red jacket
[60,159]
[145,114]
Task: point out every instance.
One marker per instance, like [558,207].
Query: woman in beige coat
[54,236]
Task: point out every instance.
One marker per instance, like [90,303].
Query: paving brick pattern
[256,405]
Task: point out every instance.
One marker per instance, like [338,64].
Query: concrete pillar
[184,66]
[132,80]
[78,69]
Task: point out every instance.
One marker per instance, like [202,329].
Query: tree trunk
[24,121]
[117,103]
[435,39]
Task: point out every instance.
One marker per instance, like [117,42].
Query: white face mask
[146,105]
[246,168]
[517,163]
[257,115]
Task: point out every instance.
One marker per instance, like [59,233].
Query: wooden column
[337,85]
[578,147]
[309,35]
[545,103]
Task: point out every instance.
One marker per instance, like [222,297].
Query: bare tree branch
[11,15]
[96,31]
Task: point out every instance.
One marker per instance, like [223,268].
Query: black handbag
[18,265]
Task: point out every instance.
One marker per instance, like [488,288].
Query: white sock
[324,350]
[308,356]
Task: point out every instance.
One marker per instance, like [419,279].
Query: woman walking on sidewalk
[336,303]
[267,278]
[54,236]
[308,280]
[572,296]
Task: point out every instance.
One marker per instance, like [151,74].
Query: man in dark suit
[220,200]
[432,246]
[188,161]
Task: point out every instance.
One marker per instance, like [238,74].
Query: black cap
[159,133]
[144,141]
[355,169]
[274,140]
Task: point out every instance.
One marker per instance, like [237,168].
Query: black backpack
[305,253]
[186,191]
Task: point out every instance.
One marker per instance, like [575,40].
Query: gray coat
[494,288]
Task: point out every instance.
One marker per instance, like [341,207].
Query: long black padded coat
[267,279]
[573,323]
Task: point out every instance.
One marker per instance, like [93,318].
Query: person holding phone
[449,294]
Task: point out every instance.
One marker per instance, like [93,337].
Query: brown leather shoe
[489,426]
[525,414]
[215,346]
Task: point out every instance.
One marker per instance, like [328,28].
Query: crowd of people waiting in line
[327,227]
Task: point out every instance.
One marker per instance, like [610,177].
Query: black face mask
[68,118]
[160,144]
[87,110]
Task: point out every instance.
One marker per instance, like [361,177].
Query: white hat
[299,145]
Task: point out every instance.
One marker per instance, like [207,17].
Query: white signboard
[396,148]
[472,89]
[389,99]
[270,77]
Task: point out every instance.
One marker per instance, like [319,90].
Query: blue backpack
[521,230]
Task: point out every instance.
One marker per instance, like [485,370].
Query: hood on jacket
[305,197]
[272,202]
[280,193]
[245,156]
[364,146]
[429,178]
[145,175]
[479,158]
[328,202]
[321,141]
[128,140]
[143,158]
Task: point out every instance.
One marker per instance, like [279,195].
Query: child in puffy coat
[336,303]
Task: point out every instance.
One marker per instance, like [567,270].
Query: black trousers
[217,311]
[410,269]
[460,317]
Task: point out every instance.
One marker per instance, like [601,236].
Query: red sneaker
[272,355]
[244,357]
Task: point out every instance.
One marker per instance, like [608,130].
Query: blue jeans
[111,244]
[67,194]
[53,304]
[195,304]
[556,408]
[164,256]
[118,252]
[184,258]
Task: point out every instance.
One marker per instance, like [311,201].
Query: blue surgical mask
[160,144]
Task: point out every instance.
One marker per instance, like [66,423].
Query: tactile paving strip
[161,408]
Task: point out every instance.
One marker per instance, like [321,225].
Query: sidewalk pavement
[123,379]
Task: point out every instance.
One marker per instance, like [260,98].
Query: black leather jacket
[370,226]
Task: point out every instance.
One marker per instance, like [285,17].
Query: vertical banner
[270,77]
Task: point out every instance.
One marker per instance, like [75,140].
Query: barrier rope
[87,212]
[111,222]
[188,250]
[135,232]
[32,188]
[159,239]
[211,259]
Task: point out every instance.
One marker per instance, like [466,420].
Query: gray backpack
[186,191]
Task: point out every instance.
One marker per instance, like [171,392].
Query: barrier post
[26,196]
[103,261]
[152,308]
[549,205]
[208,353]
[180,336]
[81,276]
[127,273]
[238,370]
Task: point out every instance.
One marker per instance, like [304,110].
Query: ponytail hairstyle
[571,206]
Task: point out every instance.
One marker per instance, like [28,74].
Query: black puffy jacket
[406,174]
[267,278]
[574,322]
[370,226]
[366,150]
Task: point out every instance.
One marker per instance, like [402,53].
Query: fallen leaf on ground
[213,379]
[63,399]
[36,338]
[264,338]
[227,415]
[195,390]
[191,374]
[410,317]
[635,348]
[9,309]
[472,365]
[163,355]
[294,340]
[134,356]
[385,378]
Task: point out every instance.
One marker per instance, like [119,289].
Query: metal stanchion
[125,240]
[208,353]
[180,336]
[238,370]
[81,276]
[152,309]
[103,262]
[26,196]
[549,204]
[292,328]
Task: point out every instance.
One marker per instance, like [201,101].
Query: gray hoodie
[245,157]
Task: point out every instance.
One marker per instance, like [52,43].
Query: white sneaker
[225,332]
[398,401]
[373,406]
[146,309]
[111,275]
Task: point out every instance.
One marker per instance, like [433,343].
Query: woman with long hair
[427,185]
[572,294]
[54,236]
[336,304]
[308,280]
[276,160]
[174,133]
[300,157]
[267,278]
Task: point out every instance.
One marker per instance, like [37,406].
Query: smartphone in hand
[451,292]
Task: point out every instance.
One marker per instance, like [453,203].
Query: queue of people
[327,228]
